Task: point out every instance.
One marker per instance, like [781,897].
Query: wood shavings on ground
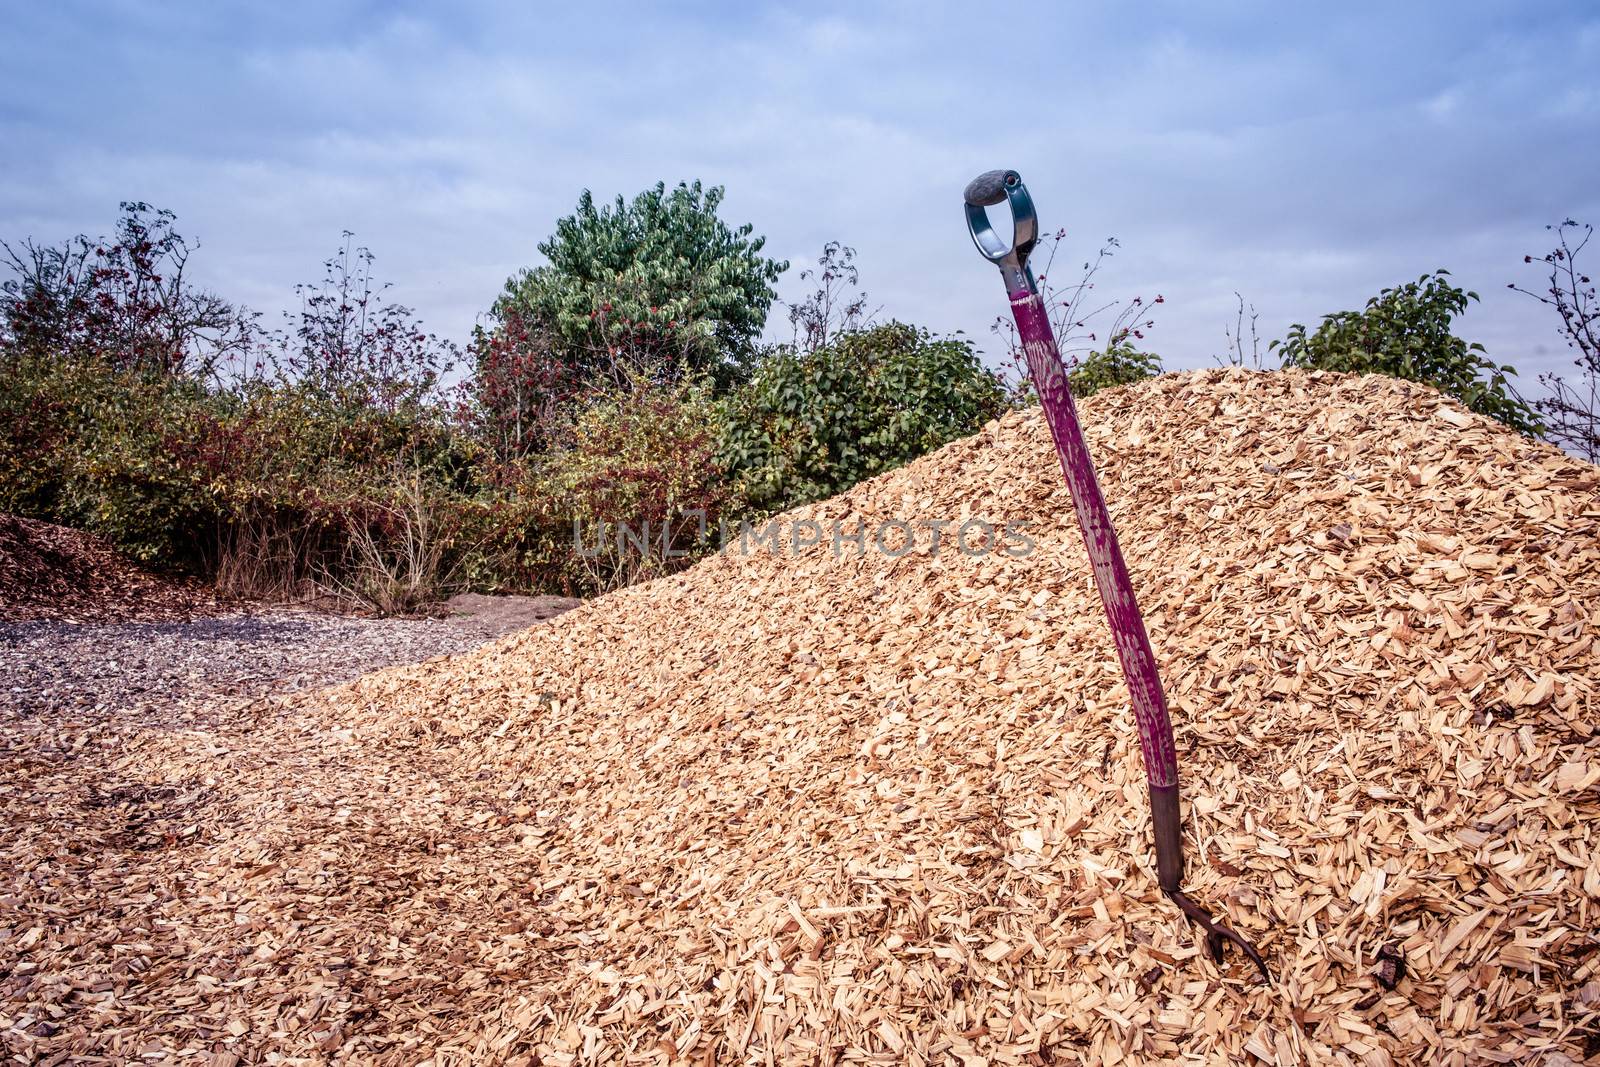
[793,807]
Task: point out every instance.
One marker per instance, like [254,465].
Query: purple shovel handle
[1099,538]
[1122,614]
[1110,578]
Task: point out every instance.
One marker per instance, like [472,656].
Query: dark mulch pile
[52,572]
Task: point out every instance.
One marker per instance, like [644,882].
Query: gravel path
[168,669]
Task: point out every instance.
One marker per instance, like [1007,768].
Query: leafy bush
[640,490]
[808,425]
[301,474]
[136,406]
[1405,332]
[252,485]
[42,414]
[659,280]
[1116,364]
[524,387]
[94,447]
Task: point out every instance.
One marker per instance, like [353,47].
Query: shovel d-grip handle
[995,187]
[1094,522]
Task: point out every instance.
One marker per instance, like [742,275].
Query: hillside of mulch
[50,572]
[808,806]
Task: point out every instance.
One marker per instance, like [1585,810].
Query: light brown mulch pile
[807,808]
[57,573]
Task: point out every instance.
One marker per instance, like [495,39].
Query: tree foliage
[811,424]
[1406,332]
[658,280]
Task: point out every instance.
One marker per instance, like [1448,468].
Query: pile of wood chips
[788,807]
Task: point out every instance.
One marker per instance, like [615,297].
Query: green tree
[1405,332]
[660,278]
[811,424]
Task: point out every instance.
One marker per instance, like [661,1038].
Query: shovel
[1094,521]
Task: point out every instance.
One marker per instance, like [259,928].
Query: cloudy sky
[1302,159]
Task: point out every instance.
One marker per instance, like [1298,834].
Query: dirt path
[167,670]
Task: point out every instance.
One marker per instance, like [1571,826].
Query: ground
[165,667]
[79,703]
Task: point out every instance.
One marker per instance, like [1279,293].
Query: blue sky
[1302,157]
